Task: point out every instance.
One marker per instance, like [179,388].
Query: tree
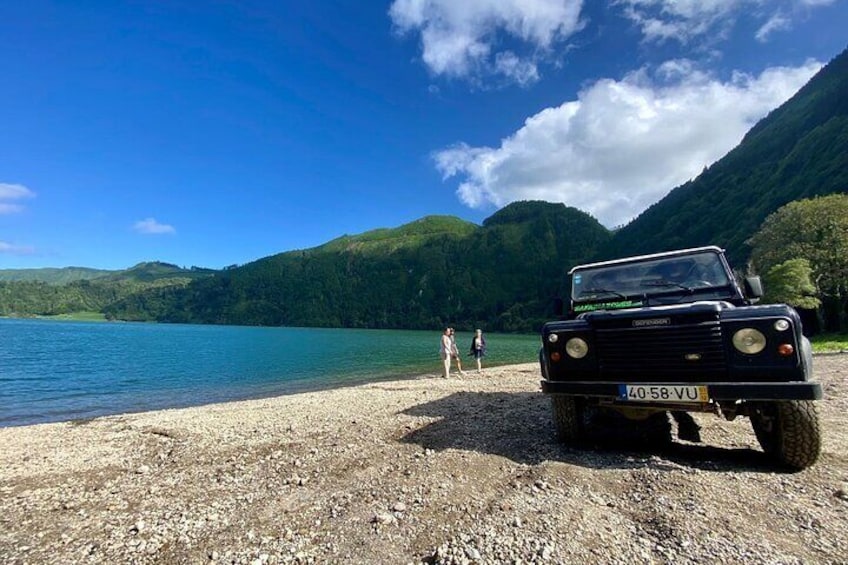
[816,230]
[791,283]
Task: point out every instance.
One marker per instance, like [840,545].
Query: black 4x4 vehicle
[674,332]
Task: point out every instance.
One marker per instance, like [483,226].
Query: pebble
[472,553]
[468,503]
[383,518]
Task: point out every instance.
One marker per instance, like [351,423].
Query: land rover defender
[676,333]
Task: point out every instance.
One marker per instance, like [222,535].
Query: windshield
[662,275]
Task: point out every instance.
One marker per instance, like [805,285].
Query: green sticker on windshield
[607,305]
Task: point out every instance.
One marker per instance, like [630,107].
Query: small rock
[383,518]
[399,507]
[143,470]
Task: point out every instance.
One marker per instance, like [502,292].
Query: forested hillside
[799,150]
[51,275]
[45,292]
[426,274]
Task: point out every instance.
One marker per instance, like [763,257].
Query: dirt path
[424,470]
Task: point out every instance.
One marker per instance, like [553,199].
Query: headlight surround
[749,341]
[577,348]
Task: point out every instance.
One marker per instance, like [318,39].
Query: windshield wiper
[601,291]
[666,284]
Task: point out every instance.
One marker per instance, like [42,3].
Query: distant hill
[29,292]
[156,271]
[799,150]
[387,240]
[435,271]
[147,271]
[52,275]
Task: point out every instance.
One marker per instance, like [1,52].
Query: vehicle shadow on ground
[518,426]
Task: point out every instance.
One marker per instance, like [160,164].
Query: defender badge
[652,322]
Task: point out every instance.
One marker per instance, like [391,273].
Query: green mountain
[153,271]
[51,275]
[435,271]
[387,240]
[29,292]
[799,150]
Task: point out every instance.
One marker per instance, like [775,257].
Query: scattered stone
[383,518]
[488,493]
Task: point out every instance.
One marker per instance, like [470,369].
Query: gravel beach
[425,470]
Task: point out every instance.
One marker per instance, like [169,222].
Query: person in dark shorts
[478,348]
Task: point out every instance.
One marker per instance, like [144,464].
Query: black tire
[789,432]
[568,418]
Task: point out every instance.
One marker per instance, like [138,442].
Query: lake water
[58,370]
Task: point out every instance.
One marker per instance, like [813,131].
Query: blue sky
[216,133]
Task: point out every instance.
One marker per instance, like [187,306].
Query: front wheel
[568,418]
[789,431]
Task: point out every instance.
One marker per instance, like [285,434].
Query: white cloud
[11,249]
[681,20]
[151,226]
[13,192]
[460,39]
[778,22]
[622,145]
[710,20]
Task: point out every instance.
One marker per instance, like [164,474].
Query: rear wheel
[568,418]
[789,431]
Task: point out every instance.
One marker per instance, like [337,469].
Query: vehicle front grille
[690,352]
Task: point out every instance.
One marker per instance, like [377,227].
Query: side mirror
[559,306]
[753,287]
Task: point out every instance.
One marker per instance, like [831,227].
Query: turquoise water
[57,370]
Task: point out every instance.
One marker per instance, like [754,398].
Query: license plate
[663,393]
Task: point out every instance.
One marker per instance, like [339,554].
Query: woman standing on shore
[478,348]
[455,351]
[445,351]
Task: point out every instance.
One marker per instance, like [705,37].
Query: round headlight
[553,338]
[749,340]
[781,325]
[576,347]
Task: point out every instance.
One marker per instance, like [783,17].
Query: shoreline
[290,388]
[418,470]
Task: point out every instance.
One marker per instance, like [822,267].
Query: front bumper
[717,391]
